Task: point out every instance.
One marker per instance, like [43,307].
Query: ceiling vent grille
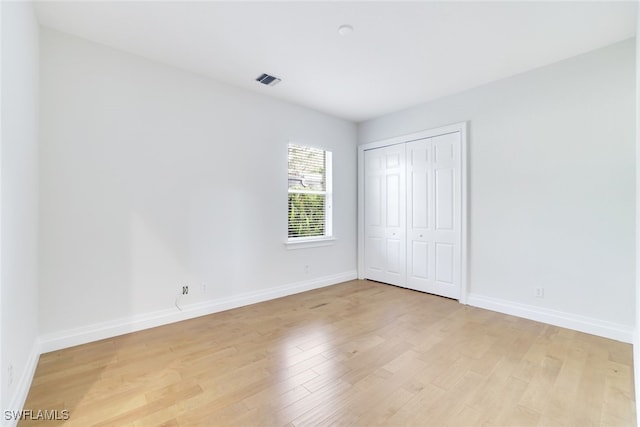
[268,80]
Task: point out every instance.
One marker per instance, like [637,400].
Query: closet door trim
[458,127]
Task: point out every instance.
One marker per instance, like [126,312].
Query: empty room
[319,213]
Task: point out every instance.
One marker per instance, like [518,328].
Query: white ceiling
[400,54]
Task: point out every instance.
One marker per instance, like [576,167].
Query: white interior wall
[19,201]
[551,185]
[152,178]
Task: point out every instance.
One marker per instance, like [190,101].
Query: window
[309,213]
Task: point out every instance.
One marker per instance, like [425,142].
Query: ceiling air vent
[268,80]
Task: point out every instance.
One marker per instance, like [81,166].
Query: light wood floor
[358,353]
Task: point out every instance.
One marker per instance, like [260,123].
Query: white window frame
[327,238]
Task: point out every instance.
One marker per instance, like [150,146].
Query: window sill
[309,243]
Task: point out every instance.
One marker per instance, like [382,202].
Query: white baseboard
[112,328]
[23,386]
[576,322]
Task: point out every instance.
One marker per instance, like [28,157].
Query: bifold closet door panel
[385,215]
[412,210]
[420,215]
[448,214]
[434,215]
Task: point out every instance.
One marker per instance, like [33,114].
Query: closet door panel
[419,199]
[420,188]
[393,208]
[444,196]
[447,236]
[385,215]
[432,208]
[419,264]
[444,263]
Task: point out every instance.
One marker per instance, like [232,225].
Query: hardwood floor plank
[379,414]
[373,391]
[415,411]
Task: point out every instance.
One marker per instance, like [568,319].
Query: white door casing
[435,211]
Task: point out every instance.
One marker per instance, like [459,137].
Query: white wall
[152,178]
[551,182]
[19,201]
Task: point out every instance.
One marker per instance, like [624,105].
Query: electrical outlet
[307,269]
[185,290]
[539,293]
[10,374]
[204,287]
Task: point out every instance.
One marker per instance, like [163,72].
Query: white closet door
[434,215]
[385,215]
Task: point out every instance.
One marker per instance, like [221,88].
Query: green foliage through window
[306,215]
